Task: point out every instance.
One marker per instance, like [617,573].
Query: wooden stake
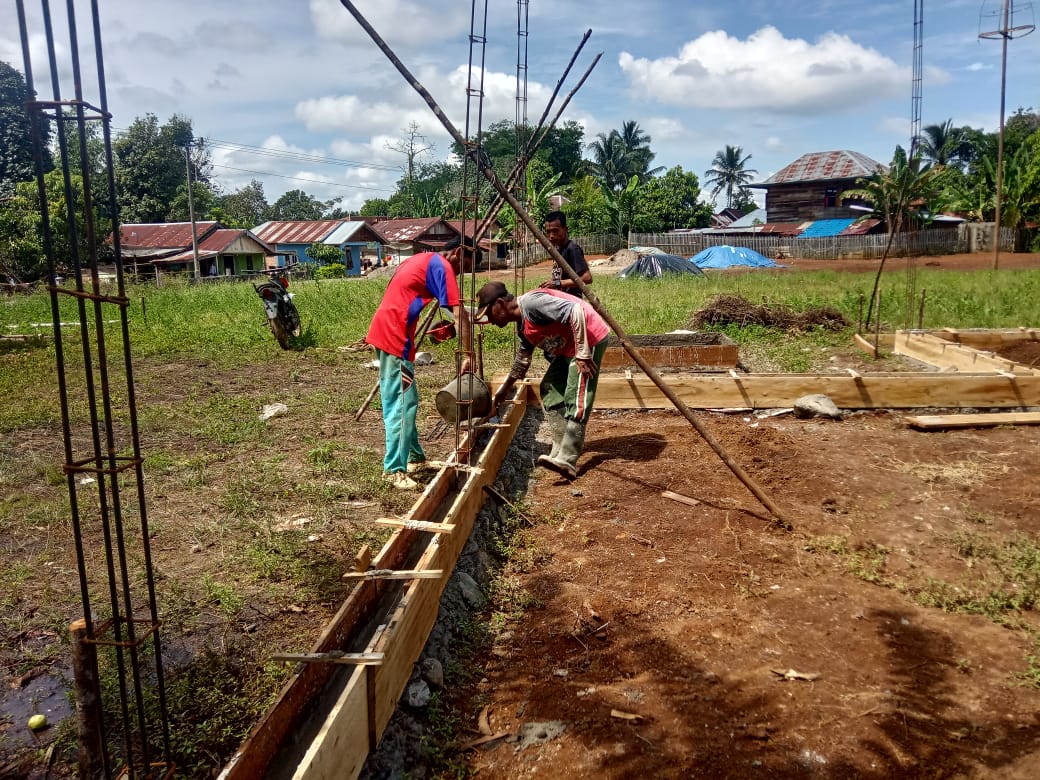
[363,559]
[88,700]
[680,498]
[416,525]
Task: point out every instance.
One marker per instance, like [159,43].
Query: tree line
[606,185]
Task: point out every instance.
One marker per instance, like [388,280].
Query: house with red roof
[171,246]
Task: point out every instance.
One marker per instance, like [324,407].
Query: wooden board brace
[354,659]
[394,574]
[930,422]
[416,525]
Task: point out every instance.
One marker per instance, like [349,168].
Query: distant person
[573,338]
[419,279]
[556,230]
[213,268]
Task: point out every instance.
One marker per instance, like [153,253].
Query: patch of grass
[868,563]
[963,473]
[224,595]
[1031,675]
[836,545]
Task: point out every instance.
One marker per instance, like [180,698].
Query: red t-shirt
[418,280]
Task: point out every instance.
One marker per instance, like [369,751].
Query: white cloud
[397,21]
[767,72]
[977,66]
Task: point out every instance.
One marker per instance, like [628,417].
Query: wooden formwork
[330,715]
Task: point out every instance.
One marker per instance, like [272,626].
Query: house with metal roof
[811,187]
[170,246]
[292,238]
[406,237]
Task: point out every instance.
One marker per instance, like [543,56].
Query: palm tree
[943,144]
[637,151]
[904,196]
[609,160]
[729,172]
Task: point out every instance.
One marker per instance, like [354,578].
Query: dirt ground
[727,647]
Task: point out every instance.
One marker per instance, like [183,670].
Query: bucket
[471,388]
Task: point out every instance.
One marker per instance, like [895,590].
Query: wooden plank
[394,574]
[337,752]
[342,745]
[329,658]
[416,525]
[941,421]
[290,710]
[680,498]
[868,391]
[410,625]
[952,356]
[714,355]
[988,339]
[865,345]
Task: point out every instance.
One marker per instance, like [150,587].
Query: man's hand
[586,366]
[549,284]
[466,366]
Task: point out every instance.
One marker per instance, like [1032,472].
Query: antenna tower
[918,79]
[1009,28]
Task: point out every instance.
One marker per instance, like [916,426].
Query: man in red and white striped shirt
[573,338]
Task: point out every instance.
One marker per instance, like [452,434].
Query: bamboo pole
[594,301]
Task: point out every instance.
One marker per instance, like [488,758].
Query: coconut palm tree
[943,144]
[729,172]
[905,196]
[609,160]
[637,151]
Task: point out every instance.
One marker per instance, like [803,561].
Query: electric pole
[191,211]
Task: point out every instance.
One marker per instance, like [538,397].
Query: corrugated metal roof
[825,166]
[158,235]
[826,228]
[749,219]
[783,228]
[217,242]
[860,228]
[296,231]
[343,233]
[405,229]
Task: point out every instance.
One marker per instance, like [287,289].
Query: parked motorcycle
[281,311]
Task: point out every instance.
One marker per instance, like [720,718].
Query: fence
[939,241]
[925,242]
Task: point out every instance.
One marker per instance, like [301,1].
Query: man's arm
[465,328]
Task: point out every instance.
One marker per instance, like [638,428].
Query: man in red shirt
[419,279]
[573,337]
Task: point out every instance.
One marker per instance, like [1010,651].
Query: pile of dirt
[737,310]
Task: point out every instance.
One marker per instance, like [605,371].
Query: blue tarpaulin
[726,256]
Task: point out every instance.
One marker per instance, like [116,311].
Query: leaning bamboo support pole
[521,212]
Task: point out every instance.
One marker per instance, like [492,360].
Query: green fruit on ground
[37,722]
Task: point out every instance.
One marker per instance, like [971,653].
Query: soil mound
[737,310]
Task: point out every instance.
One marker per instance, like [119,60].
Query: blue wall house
[359,243]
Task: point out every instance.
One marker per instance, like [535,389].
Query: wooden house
[811,187]
[168,246]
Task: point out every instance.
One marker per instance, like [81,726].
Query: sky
[295,94]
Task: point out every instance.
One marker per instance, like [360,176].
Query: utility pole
[1006,32]
[191,211]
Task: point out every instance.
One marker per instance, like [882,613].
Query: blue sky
[300,80]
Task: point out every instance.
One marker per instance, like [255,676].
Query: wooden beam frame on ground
[867,391]
[952,356]
[291,740]
[986,338]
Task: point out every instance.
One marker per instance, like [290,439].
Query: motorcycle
[282,315]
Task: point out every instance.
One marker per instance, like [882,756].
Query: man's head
[461,254]
[495,305]
[556,228]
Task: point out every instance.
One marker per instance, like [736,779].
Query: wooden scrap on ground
[363,559]
[948,355]
[680,498]
[622,715]
[935,422]
[791,674]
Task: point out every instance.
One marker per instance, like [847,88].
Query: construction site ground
[658,639]
[729,648]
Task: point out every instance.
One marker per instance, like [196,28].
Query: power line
[290,155]
[298,178]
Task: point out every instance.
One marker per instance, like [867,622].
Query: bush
[330,271]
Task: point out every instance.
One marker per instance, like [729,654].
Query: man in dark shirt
[556,230]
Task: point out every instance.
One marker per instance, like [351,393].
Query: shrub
[330,271]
